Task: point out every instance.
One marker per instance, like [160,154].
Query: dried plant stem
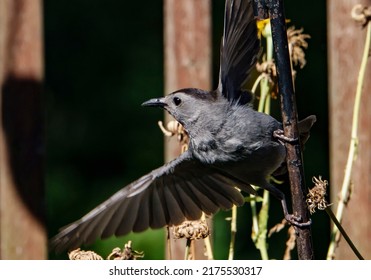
[208,248]
[209,251]
[259,225]
[343,232]
[187,249]
[168,241]
[261,241]
[256,83]
[264,103]
[233,232]
[260,222]
[335,235]
[255,222]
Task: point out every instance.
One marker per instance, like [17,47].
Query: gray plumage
[230,145]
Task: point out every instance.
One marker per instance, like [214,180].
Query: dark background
[103,59]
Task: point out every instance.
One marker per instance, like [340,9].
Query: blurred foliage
[102,60]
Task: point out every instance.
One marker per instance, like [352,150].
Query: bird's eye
[177,101]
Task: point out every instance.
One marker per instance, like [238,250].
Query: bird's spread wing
[239,49]
[168,195]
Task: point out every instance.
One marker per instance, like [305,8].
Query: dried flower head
[79,254]
[191,230]
[175,128]
[268,69]
[361,14]
[278,227]
[316,196]
[297,44]
[126,254]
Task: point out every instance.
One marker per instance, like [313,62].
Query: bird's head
[185,105]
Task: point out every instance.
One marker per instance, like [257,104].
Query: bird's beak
[155,102]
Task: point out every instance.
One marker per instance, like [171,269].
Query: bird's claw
[297,221]
[279,134]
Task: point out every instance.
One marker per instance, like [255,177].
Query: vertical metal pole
[290,125]
[275,9]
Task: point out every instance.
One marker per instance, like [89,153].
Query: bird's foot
[297,221]
[279,134]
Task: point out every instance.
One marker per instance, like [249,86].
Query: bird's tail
[304,127]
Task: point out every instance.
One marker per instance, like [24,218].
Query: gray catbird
[231,145]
